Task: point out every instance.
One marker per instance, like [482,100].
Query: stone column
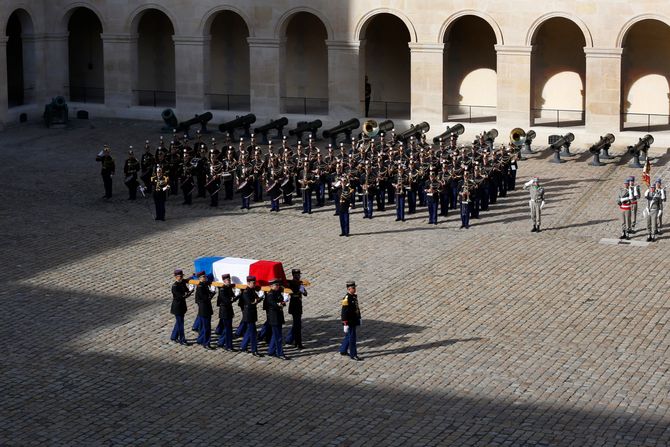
[264,83]
[427,66]
[3,82]
[49,73]
[514,87]
[344,99]
[603,90]
[120,55]
[191,58]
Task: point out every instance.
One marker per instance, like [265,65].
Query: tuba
[370,128]
[517,137]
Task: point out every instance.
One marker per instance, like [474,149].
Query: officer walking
[180,291]
[351,319]
[276,302]
[536,202]
[228,294]
[295,309]
[107,171]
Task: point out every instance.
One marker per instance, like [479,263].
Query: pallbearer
[228,294]
[276,301]
[180,291]
[250,299]
[295,309]
[203,296]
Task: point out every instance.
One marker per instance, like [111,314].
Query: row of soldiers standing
[377,171]
[627,200]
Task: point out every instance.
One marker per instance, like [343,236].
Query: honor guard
[464,198]
[174,161]
[624,200]
[250,299]
[276,300]
[228,294]
[659,187]
[107,169]
[213,185]
[399,192]
[351,319]
[186,177]
[652,210]
[295,309]
[635,193]
[203,296]
[432,191]
[536,202]
[130,170]
[161,186]
[180,291]
[306,182]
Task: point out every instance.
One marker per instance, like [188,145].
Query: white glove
[261,294]
[212,289]
[237,291]
[542,205]
[285,295]
[191,287]
[302,290]
[345,328]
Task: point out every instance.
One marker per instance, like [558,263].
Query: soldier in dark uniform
[306,181]
[464,196]
[295,309]
[147,165]
[186,175]
[227,296]
[107,170]
[161,185]
[351,319]
[174,163]
[130,169]
[200,170]
[345,203]
[399,193]
[250,298]
[180,291]
[432,190]
[275,303]
[204,296]
[213,185]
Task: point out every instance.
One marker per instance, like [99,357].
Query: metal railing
[227,101]
[557,117]
[469,114]
[155,98]
[645,122]
[389,109]
[304,106]
[86,94]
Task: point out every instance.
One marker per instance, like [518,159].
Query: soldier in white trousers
[536,202]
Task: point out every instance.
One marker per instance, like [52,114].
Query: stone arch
[21,57]
[133,20]
[205,26]
[367,18]
[86,61]
[537,24]
[629,24]
[72,8]
[285,19]
[471,12]
[25,16]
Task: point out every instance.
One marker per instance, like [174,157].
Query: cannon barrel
[491,135]
[197,119]
[642,145]
[458,129]
[343,127]
[306,126]
[239,122]
[414,131]
[170,118]
[56,112]
[605,140]
[59,101]
[530,135]
[273,124]
[560,141]
[386,126]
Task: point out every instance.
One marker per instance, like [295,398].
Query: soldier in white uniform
[536,202]
[635,191]
[661,189]
[651,211]
[624,200]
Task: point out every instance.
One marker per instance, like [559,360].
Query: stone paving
[487,336]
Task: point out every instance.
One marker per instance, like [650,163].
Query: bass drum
[246,189]
[287,186]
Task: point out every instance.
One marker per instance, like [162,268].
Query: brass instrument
[370,128]
[517,137]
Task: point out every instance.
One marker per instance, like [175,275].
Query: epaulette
[345,301]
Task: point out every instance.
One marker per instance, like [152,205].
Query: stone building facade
[592,66]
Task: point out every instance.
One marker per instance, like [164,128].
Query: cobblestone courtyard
[487,336]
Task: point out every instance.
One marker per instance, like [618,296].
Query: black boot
[534,229]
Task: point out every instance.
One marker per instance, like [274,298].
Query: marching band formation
[374,170]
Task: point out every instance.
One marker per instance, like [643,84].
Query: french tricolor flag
[239,269]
